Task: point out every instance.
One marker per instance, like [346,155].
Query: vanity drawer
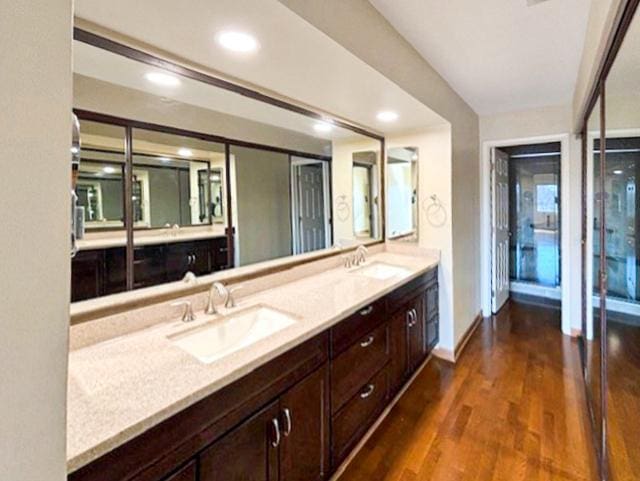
[344,334]
[351,369]
[353,420]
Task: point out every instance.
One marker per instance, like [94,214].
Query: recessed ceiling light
[387,116]
[618,172]
[184,152]
[323,127]
[237,41]
[109,170]
[162,79]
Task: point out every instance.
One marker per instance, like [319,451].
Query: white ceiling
[499,55]
[295,59]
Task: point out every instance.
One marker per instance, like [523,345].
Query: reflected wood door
[304,418]
[245,454]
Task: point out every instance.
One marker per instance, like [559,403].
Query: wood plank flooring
[512,408]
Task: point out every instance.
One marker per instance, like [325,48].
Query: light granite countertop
[121,387]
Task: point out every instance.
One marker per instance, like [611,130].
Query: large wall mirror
[181,175]
[611,330]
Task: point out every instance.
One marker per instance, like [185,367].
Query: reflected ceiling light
[387,116]
[75,150]
[618,172]
[237,41]
[162,79]
[184,152]
[323,127]
[164,159]
[109,170]
[414,157]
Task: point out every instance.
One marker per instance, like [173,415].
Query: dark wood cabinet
[100,272]
[304,421]
[248,453]
[399,365]
[297,417]
[186,473]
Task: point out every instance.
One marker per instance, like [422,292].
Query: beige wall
[104,97]
[360,28]
[35,68]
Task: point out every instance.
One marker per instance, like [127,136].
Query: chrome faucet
[225,292]
[361,255]
[187,315]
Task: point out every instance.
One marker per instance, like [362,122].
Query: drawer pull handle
[368,391]
[410,321]
[366,311]
[276,429]
[287,422]
[367,342]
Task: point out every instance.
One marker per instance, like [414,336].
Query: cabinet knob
[368,391]
[366,311]
[367,342]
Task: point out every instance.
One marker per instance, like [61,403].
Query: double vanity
[281,385]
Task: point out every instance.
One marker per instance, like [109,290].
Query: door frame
[295,161]
[565,222]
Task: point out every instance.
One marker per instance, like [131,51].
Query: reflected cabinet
[611,253]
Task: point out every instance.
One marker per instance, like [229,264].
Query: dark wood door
[248,453]
[415,333]
[431,317]
[304,418]
[399,367]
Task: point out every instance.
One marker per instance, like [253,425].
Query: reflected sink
[381,271]
[221,337]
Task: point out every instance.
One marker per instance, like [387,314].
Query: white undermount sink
[381,271]
[221,337]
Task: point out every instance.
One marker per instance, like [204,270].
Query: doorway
[526,224]
[310,206]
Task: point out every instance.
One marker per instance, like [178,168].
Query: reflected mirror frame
[112,46]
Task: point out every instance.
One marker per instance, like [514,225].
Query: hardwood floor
[513,408]
[623,401]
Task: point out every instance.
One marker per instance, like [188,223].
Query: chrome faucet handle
[346,260]
[188,314]
[211,306]
[189,278]
[230,300]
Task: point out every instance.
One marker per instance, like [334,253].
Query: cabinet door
[201,253]
[304,418]
[248,453]
[115,272]
[431,317]
[86,275]
[399,367]
[416,328]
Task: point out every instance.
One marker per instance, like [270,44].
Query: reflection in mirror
[622,255]
[294,184]
[101,175]
[402,191]
[170,180]
[593,354]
